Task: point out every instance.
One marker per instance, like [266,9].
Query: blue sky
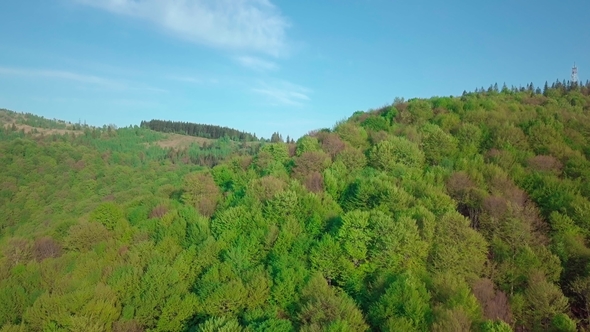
[273,65]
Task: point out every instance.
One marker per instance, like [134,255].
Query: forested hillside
[466,213]
[196,129]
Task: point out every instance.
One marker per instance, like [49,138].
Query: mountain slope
[445,214]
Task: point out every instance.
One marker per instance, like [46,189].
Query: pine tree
[505,89]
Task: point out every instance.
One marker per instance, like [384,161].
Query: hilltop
[441,214]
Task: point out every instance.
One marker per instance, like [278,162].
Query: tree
[451,320]
[310,162]
[331,144]
[276,138]
[46,247]
[543,301]
[18,250]
[220,324]
[495,326]
[437,145]
[468,195]
[457,248]
[201,191]
[387,154]
[356,136]
[420,111]
[306,144]
[84,236]
[494,303]
[404,305]
[353,159]
[108,214]
[324,307]
[354,235]
[581,288]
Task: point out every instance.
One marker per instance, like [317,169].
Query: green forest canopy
[441,214]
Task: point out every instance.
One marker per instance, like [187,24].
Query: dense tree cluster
[467,213]
[38,121]
[199,130]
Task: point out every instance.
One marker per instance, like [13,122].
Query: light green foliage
[306,144]
[397,150]
[224,177]
[160,294]
[335,179]
[353,159]
[507,137]
[447,121]
[325,257]
[563,323]
[108,214]
[542,137]
[451,320]
[327,309]
[453,293]
[543,301]
[220,324]
[405,305]
[378,123]
[282,205]
[354,235]
[356,136]
[397,244]
[457,247]
[496,326]
[377,191]
[83,236]
[222,291]
[289,276]
[469,137]
[278,151]
[94,309]
[437,145]
[272,325]
[420,111]
[271,159]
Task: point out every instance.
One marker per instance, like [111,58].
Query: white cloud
[256,63]
[75,77]
[252,25]
[283,93]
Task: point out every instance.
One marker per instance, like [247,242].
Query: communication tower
[574,74]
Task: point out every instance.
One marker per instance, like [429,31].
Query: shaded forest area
[467,213]
[199,130]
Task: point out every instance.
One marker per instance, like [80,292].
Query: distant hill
[37,125]
[198,130]
[177,148]
[32,120]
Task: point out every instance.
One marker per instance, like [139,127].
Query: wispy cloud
[251,25]
[58,74]
[283,93]
[256,63]
[76,77]
[193,79]
[186,79]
